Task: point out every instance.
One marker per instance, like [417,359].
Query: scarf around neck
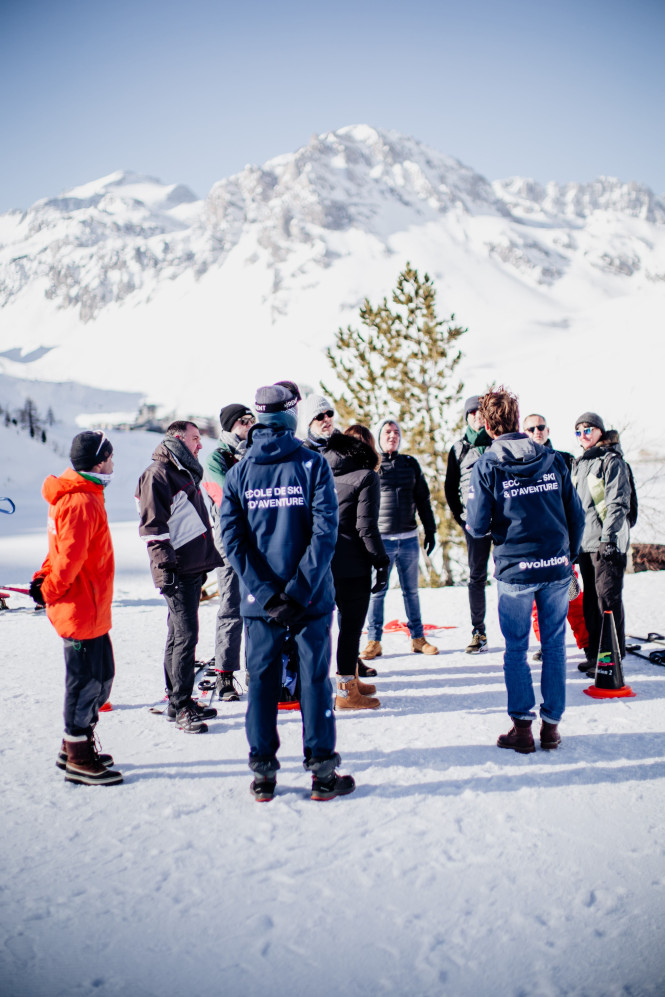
[184,457]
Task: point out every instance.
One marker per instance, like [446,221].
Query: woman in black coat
[353,460]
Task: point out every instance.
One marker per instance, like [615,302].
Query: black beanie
[230,415]
[89,449]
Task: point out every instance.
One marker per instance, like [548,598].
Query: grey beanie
[472,404]
[277,406]
[274,398]
[593,419]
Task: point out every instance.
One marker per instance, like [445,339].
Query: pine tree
[401,363]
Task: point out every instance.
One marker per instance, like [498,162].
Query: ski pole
[8,512]
[13,588]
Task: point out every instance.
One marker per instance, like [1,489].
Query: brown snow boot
[84,765]
[519,738]
[549,736]
[373,650]
[364,688]
[61,760]
[349,697]
[420,645]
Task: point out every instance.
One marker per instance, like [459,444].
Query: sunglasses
[320,418]
[532,429]
[247,420]
[587,431]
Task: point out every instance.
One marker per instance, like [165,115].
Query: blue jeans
[515,602]
[406,554]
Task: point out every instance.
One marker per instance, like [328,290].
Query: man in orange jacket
[75,583]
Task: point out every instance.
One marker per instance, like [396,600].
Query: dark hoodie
[279,523]
[359,544]
[522,494]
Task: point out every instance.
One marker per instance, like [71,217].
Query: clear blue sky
[191,92]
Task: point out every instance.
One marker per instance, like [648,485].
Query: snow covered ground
[454,869]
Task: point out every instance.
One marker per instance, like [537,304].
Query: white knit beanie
[312,406]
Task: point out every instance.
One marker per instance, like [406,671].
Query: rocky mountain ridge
[118,239]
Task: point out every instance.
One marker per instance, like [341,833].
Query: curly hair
[499,408]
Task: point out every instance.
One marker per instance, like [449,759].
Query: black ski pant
[182,638]
[603,584]
[89,672]
[478,552]
[352,597]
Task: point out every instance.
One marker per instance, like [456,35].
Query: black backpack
[632,512]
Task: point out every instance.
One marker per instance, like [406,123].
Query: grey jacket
[601,478]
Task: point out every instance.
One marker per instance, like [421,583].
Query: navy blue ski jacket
[279,523]
[522,493]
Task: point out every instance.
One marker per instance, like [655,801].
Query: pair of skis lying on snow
[656,657]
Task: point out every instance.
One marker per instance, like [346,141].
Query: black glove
[169,585]
[36,590]
[430,543]
[609,552]
[381,579]
[284,610]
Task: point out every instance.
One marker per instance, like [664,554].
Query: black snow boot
[326,783]
[263,789]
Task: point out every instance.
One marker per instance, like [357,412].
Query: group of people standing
[305,523]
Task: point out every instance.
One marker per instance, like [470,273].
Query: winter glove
[284,610]
[169,586]
[430,543]
[381,579]
[36,590]
[610,552]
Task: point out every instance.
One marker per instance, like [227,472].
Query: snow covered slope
[131,284]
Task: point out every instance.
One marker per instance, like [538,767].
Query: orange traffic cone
[609,683]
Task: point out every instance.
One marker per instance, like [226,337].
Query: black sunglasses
[532,429]
[320,418]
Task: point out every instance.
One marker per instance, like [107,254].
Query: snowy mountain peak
[291,248]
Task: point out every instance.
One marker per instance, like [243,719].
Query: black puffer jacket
[359,545]
[403,491]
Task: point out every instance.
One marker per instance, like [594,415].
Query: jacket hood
[377,433]
[346,453]
[54,488]
[609,443]
[269,446]
[520,455]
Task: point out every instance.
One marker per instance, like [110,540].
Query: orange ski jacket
[79,567]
